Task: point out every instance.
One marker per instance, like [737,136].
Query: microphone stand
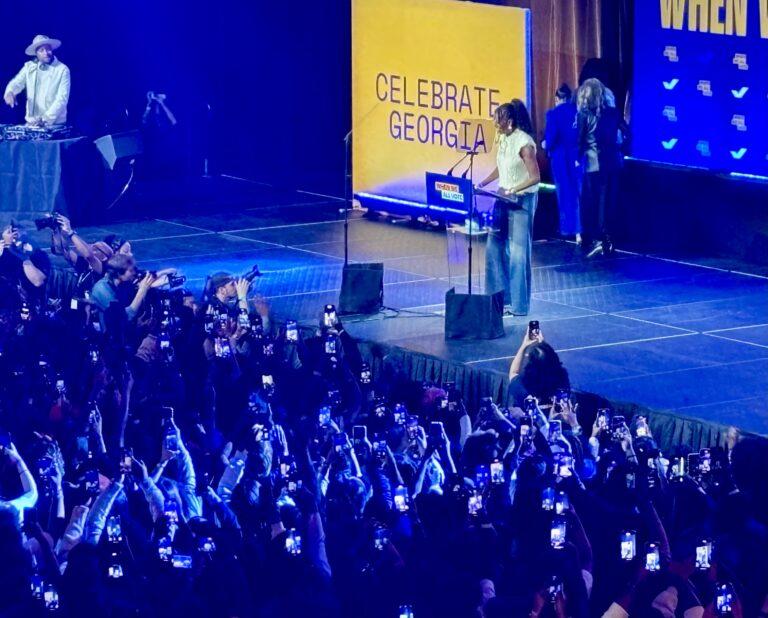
[347,200]
[455,165]
[34,96]
[208,133]
[471,154]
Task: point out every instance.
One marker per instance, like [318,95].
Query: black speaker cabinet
[475,316]
[362,288]
[119,146]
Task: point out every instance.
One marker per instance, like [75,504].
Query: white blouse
[512,170]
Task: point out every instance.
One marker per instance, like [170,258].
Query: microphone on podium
[466,154]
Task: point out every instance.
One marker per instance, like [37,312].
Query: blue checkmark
[671,83]
[738,154]
[669,144]
[739,94]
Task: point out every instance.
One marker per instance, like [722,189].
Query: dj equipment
[25,133]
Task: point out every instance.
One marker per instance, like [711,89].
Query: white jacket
[47,90]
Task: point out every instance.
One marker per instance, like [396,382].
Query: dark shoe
[597,249]
[608,248]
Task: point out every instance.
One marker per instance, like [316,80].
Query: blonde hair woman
[598,128]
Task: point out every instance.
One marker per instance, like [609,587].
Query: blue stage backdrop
[700,95]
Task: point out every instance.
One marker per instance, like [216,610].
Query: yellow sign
[426,78]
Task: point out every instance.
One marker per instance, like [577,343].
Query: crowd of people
[165,454]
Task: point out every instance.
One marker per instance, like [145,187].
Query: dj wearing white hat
[46,80]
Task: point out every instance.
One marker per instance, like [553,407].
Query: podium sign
[448,197]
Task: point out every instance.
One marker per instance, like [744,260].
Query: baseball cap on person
[102,251]
[114,241]
[219,280]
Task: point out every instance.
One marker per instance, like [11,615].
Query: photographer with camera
[120,276]
[85,263]
[22,265]
[226,294]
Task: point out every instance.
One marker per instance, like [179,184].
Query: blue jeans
[508,252]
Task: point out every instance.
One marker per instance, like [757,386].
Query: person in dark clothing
[599,158]
[23,265]
[561,144]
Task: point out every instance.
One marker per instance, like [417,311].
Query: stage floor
[663,334]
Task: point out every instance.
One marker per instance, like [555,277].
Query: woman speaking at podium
[508,253]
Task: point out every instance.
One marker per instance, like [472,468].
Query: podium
[471,315]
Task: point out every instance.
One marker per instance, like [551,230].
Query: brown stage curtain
[565,34]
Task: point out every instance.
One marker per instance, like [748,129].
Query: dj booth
[39,174]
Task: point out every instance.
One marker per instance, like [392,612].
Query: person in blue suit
[561,144]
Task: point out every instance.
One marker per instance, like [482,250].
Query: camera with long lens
[174,281]
[47,222]
[252,274]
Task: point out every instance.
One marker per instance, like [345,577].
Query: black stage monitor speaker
[119,146]
[362,288]
[475,316]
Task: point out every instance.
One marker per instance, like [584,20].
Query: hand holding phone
[340,442]
[555,431]
[548,499]
[164,549]
[475,503]
[291,331]
[725,598]
[555,589]
[557,533]
[400,414]
[126,461]
[628,545]
[482,477]
[677,469]
[180,561]
[330,345]
[324,416]
[401,499]
[330,318]
[412,427]
[497,472]
[534,330]
[359,434]
[563,465]
[704,555]
[602,419]
[437,437]
[293,542]
[652,558]
[562,503]
[51,598]
[365,374]
[380,538]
